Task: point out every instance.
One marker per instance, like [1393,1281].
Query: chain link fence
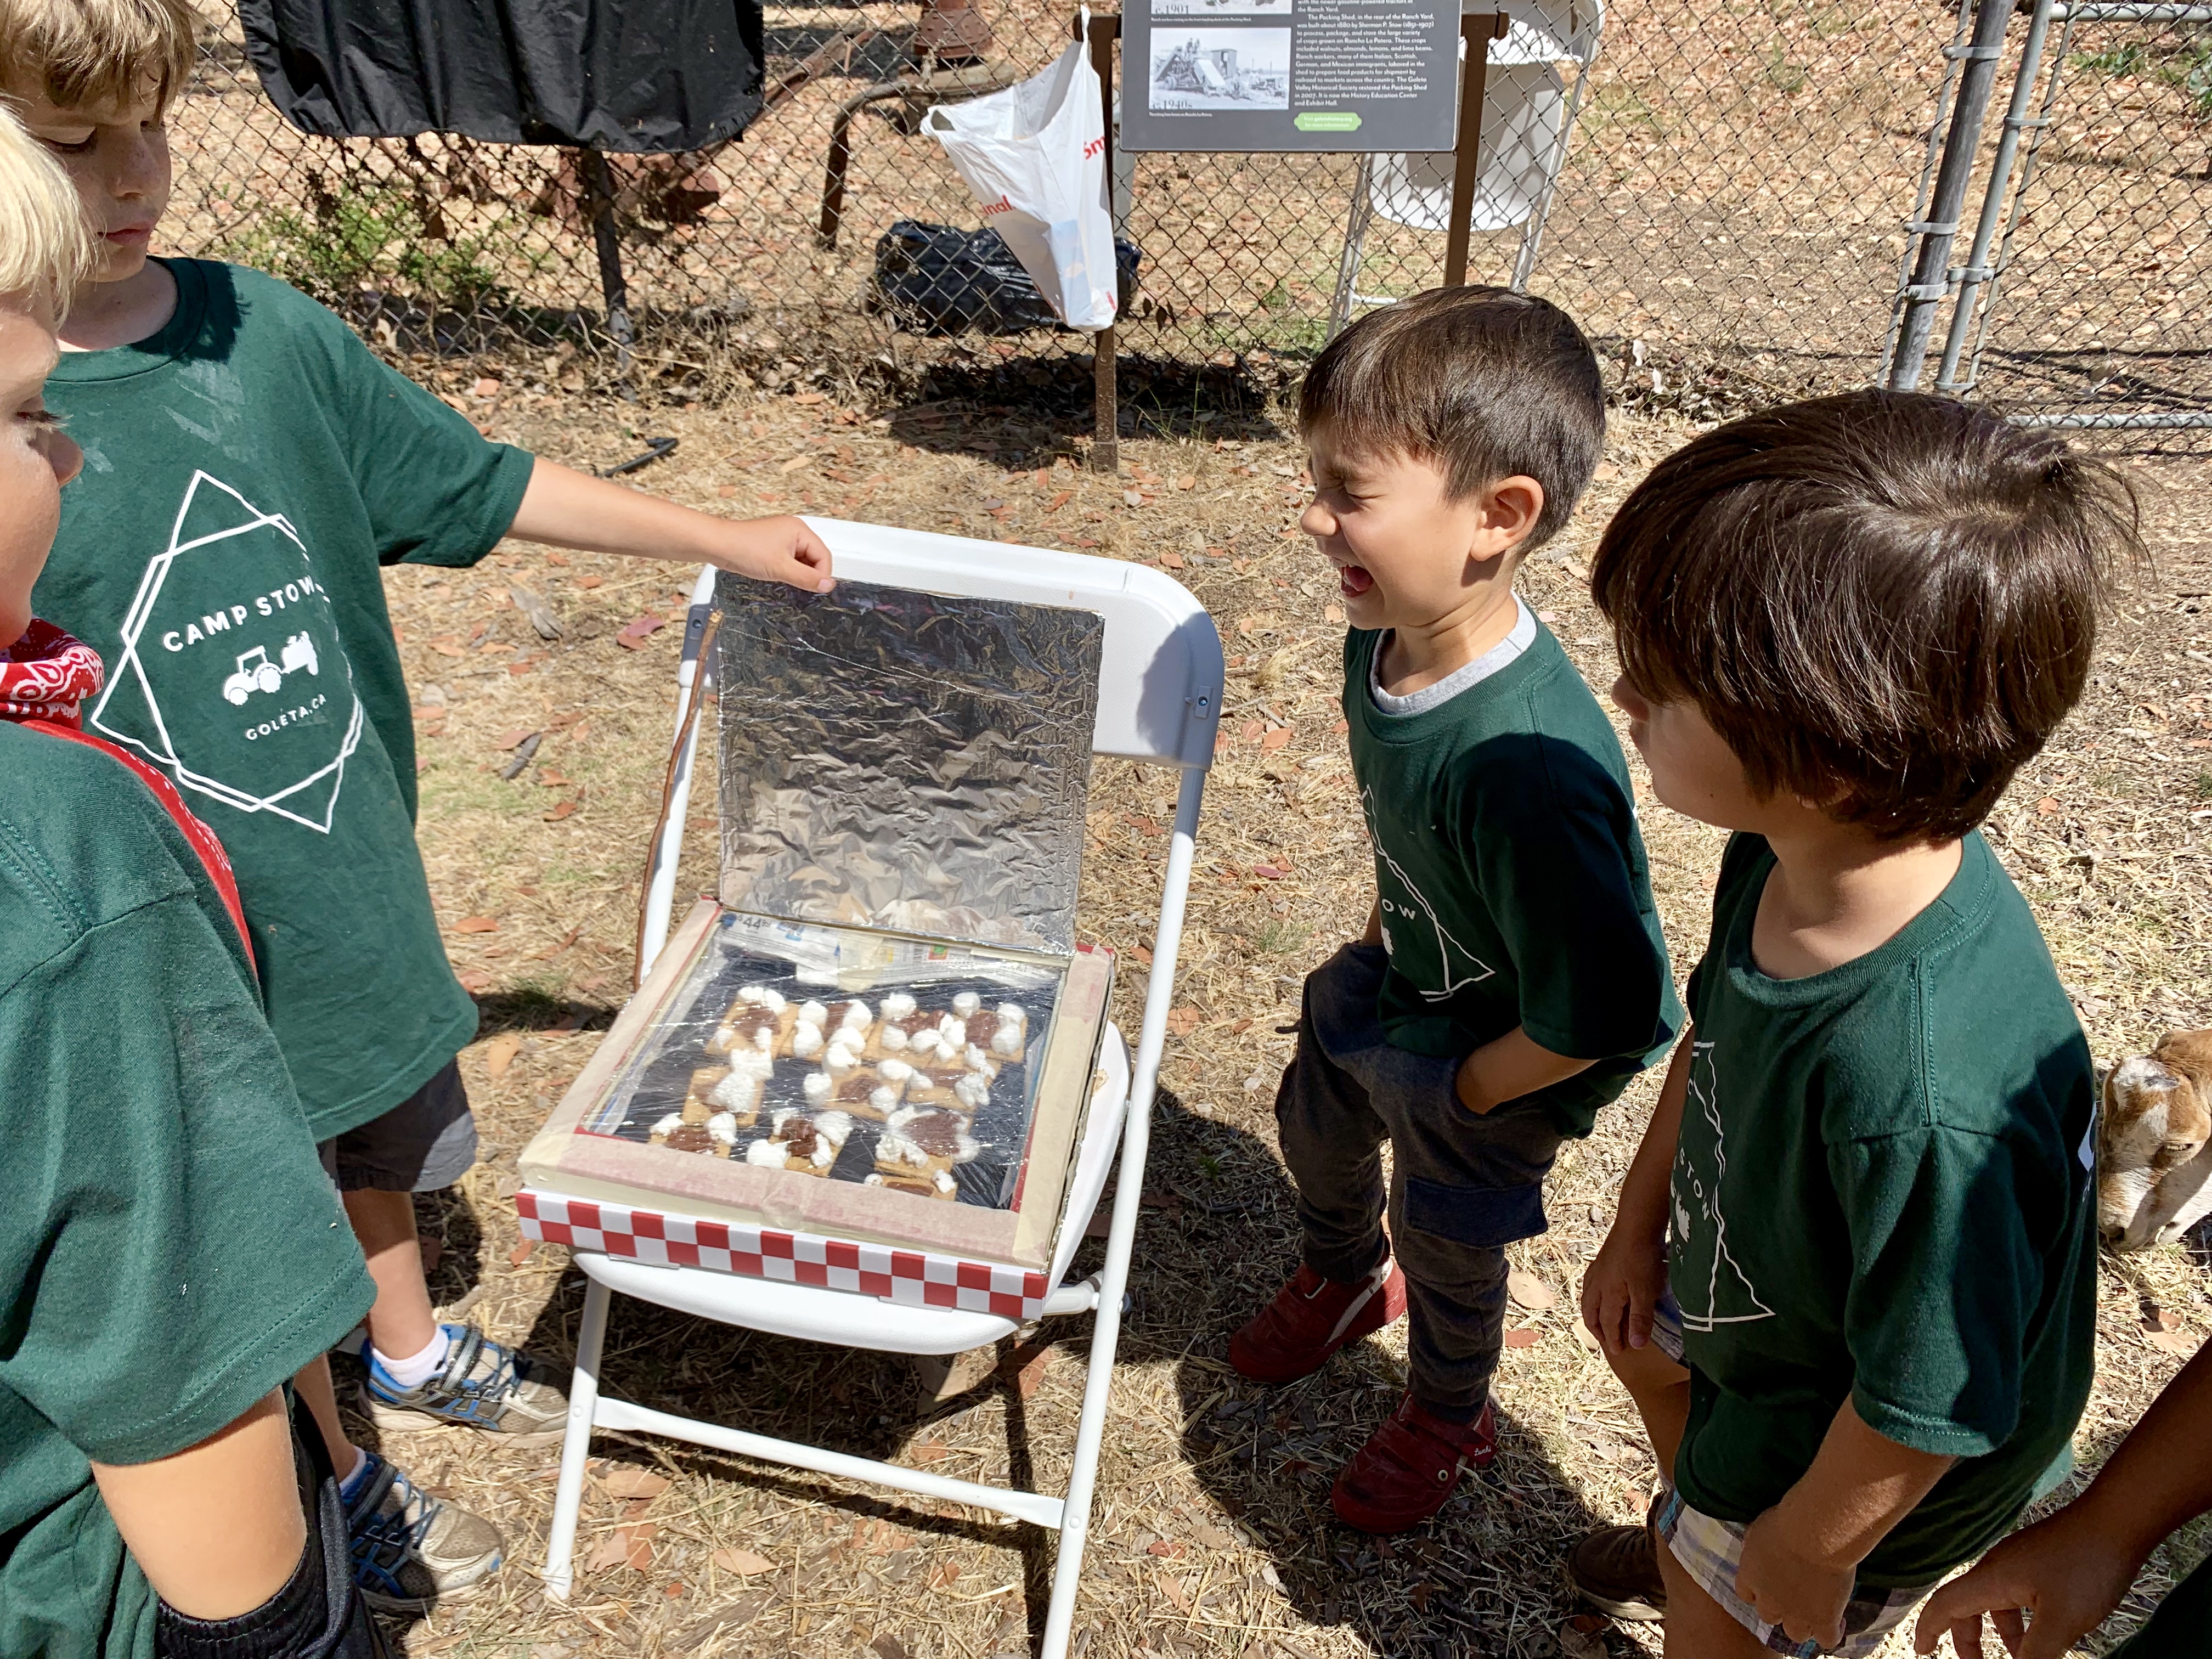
[1719,194]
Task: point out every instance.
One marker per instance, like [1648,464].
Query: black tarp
[640,77]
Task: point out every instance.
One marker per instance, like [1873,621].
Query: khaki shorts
[424,1144]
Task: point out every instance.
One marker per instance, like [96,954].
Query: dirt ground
[1212,1533]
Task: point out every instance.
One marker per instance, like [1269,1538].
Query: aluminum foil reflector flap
[906,761]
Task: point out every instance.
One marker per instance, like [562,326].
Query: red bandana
[44,677]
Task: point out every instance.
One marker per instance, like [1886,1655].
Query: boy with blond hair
[170,1253]
[250,466]
[1851,1282]
[1512,978]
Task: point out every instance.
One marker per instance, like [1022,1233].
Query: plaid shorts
[1710,1551]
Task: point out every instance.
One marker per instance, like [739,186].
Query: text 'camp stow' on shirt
[1511,875]
[1882,1192]
[247,472]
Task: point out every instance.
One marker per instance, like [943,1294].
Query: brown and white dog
[2154,1142]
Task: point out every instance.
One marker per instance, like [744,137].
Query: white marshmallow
[819,1087]
[897,1005]
[1012,1011]
[752,1062]
[768,1154]
[927,1043]
[1006,1042]
[980,1061]
[723,1126]
[945,1182]
[894,1071]
[839,1061]
[669,1125]
[973,1090]
[813,1013]
[806,1040]
[966,1004]
[883,1098]
[736,1092]
[857,1016]
[893,1038]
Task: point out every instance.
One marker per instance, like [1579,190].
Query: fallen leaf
[473,979]
[500,1053]
[448,647]
[795,463]
[931,1451]
[725,491]
[809,397]
[516,736]
[744,1562]
[1419,1594]
[590,581]
[2179,1344]
[2046,806]
[535,610]
[1580,1638]
[1171,1549]
[944,1573]
[632,1484]
[1171,561]
[1182,1021]
[1279,738]
[1171,1587]
[1332,613]
[879,1537]
[1250,731]
[486,387]
[1529,1291]
[559,812]
[627,1546]
[2160,1319]
[1606,470]
[1267,873]
[888,1646]
[1028,1371]
[1524,1338]
[1340,728]
[476,925]
[553,780]
[637,632]
[1548,617]
[520,1253]
[1188,480]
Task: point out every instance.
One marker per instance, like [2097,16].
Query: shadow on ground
[1027,410]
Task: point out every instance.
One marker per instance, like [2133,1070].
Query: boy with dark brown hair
[1852,1282]
[1512,977]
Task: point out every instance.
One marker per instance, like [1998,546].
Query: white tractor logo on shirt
[256,673]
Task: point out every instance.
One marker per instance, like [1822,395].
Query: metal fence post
[1930,277]
[1477,31]
[1106,395]
[1977,270]
[600,196]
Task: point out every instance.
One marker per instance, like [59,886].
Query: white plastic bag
[1034,155]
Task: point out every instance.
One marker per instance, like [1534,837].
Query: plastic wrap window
[924,1082]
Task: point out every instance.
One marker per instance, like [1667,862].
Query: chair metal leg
[560,1573]
[1121,1233]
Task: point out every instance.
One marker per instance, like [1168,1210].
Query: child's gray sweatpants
[1462,1186]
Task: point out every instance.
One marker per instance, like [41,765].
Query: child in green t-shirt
[1862,1221]
[170,1254]
[1512,977]
[250,466]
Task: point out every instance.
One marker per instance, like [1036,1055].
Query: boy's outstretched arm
[1800,1558]
[242,1474]
[563,507]
[2067,1574]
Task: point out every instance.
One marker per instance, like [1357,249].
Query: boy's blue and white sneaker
[412,1551]
[480,1385]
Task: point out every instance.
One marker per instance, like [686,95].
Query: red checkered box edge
[915,1279]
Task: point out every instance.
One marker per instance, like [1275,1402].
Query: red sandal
[1409,1466]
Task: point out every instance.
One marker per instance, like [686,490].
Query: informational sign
[1289,75]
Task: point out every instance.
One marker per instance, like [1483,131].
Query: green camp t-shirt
[170,1249]
[1510,875]
[246,472]
[1882,1192]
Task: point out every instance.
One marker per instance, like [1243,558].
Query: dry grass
[1212,1534]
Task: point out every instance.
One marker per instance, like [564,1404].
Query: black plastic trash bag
[937,279]
[643,77]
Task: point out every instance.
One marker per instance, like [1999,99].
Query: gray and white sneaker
[481,1385]
[412,1551]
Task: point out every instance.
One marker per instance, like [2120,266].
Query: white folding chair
[1159,702]
[1528,111]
